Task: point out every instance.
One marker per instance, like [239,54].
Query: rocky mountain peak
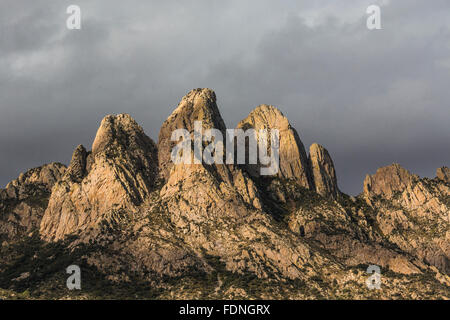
[417,208]
[116,177]
[216,231]
[77,168]
[120,131]
[443,174]
[45,177]
[197,105]
[120,136]
[267,117]
[293,158]
[388,180]
[323,171]
[24,200]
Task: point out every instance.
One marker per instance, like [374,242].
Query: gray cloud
[370,97]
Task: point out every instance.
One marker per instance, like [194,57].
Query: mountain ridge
[143,219]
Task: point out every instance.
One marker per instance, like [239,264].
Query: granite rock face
[77,168]
[217,230]
[116,177]
[200,105]
[323,172]
[24,200]
[443,174]
[412,212]
[292,155]
[197,105]
[45,177]
[217,208]
[387,181]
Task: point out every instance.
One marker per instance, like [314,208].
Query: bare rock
[387,181]
[44,177]
[413,213]
[293,158]
[77,168]
[197,105]
[218,220]
[217,207]
[443,174]
[324,174]
[122,172]
[200,105]
[23,202]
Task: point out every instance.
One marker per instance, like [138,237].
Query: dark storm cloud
[370,97]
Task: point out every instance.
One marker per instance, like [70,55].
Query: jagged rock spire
[293,158]
[117,176]
[200,105]
[197,105]
[20,213]
[388,180]
[443,174]
[77,168]
[45,176]
[324,174]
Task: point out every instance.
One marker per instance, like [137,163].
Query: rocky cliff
[115,178]
[323,172]
[293,158]
[443,174]
[197,105]
[131,218]
[413,213]
[24,200]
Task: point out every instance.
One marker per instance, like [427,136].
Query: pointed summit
[324,174]
[77,168]
[388,180]
[121,132]
[20,212]
[293,158]
[443,174]
[197,105]
[116,177]
[122,138]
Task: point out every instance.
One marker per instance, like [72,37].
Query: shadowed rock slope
[323,172]
[133,220]
[413,213]
[24,200]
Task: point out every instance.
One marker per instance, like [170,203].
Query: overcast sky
[370,97]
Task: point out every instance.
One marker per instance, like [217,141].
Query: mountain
[141,226]
[413,213]
[24,200]
[115,177]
